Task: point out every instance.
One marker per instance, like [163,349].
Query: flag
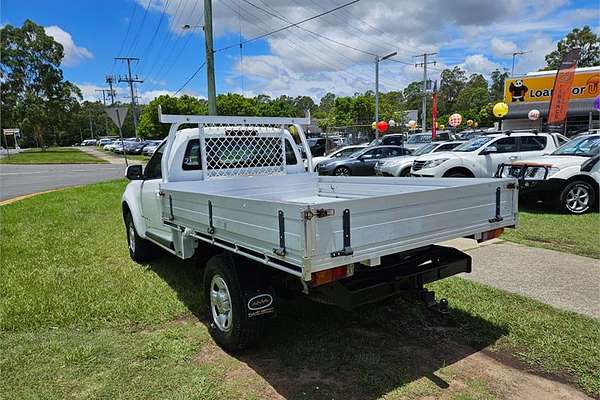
[559,102]
[434,112]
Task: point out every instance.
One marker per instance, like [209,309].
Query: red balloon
[382,126]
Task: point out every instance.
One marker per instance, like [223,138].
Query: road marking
[22,173]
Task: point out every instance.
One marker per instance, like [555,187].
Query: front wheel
[342,171]
[577,197]
[405,172]
[139,248]
[227,322]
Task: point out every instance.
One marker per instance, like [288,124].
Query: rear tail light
[493,234]
[330,275]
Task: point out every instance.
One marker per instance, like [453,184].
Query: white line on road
[22,173]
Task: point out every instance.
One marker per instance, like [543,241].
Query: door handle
[513,158]
[158,193]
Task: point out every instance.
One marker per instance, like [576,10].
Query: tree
[451,83]
[150,128]
[497,88]
[34,94]
[583,38]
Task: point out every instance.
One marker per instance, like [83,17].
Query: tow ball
[428,297]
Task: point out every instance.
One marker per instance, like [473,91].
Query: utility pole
[104,102]
[110,79]
[424,65]
[210,59]
[377,61]
[516,53]
[130,80]
[91,126]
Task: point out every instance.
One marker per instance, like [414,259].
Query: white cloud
[503,48]
[89,93]
[538,47]
[73,54]
[479,64]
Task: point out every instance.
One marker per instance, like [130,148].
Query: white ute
[569,177]
[481,156]
[234,190]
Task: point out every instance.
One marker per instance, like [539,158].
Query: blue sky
[479,36]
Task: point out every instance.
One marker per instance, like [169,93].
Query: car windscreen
[473,144]
[425,149]
[583,146]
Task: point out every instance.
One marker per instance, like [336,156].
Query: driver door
[507,153]
[368,161]
[151,207]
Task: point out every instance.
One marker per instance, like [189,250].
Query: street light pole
[377,61]
[516,53]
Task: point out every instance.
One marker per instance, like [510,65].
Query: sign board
[586,85]
[8,132]
[117,114]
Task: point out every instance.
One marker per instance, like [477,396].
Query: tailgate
[385,224]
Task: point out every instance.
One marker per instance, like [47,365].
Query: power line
[289,26]
[166,38]
[190,78]
[162,16]
[129,24]
[134,42]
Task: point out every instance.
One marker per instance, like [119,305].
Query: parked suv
[480,157]
[361,162]
[569,177]
[400,166]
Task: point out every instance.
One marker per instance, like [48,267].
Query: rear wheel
[342,171]
[228,324]
[139,248]
[577,197]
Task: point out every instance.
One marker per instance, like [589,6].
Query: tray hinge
[211,227]
[498,216]
[171,215]
[347,250]
[281,250]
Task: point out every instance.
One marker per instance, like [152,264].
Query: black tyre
[342,171]
[405,172]
[227,321]
[456,174]
[139,248]
[577,197]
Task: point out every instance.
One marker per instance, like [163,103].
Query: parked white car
[104,141]
[339,153]
[480,157]
[569,177]
[400,166]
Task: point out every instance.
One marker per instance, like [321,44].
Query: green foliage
[34,95]
[497,87]
[150,128]
[583,38]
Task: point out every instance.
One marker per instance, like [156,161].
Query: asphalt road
[18,180]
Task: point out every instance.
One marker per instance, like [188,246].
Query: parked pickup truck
[235,190]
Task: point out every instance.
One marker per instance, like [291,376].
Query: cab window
[506,144]
[290,156]
[153,170]
[533,143]
[191,158]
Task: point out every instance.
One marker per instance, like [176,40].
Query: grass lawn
[541,226]
[79,319]
[52,155]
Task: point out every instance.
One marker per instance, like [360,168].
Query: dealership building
[533,91]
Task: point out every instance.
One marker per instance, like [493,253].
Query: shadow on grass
[317,351]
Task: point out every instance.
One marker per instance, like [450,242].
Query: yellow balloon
[374,125]
[469,122]
[442,126]
[500,110]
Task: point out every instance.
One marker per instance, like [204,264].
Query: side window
[374,153]
[392,152]
[533,143]
[446,147]
[290,156]
[506,145]
[191,158]
[153,170]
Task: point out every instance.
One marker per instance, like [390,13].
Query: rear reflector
[493,234]
[330,275]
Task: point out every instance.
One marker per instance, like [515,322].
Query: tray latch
[347,250]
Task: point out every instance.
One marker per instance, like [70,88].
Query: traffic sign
[12,131]
[117,114]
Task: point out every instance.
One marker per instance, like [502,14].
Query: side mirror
[489,150]
[134,172]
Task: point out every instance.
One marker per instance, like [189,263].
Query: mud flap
[260,303]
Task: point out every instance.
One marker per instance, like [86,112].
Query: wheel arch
[462,170]
[585,178]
